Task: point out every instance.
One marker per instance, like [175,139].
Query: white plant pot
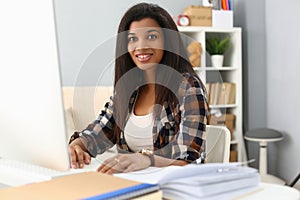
[217,60]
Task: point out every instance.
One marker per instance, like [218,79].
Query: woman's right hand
[78,154]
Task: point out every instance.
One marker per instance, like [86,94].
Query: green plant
[217,46]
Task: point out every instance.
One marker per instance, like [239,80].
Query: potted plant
[216,47]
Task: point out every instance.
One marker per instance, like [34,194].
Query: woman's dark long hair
[175,57]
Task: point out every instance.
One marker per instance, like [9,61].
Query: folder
[86,185]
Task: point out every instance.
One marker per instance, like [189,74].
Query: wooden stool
[264,136]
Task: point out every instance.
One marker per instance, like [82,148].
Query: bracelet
[148,153]
[74,137]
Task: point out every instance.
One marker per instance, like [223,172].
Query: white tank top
[138,132]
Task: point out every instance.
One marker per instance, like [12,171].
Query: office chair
[217,144]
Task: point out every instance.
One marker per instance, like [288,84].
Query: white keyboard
[16,173]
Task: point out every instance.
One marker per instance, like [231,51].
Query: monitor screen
[31,109]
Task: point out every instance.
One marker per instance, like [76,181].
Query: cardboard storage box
[199,15]
[233,156]
[223,120]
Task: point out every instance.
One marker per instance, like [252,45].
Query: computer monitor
[32,125]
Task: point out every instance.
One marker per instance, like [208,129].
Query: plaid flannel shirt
[176,135]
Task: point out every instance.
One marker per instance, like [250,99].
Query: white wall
[254,67]
[271,68]
[283,91]
[250,15]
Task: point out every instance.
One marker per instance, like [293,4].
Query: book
[208,181]
[232,94]
[214,93]
[227,93]
[217,90]
[207,86]
[86,185]
[223,93]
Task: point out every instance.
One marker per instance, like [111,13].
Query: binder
[86,185]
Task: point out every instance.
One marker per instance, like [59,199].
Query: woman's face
[145,43]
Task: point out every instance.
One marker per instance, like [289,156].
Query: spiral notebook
[86,185]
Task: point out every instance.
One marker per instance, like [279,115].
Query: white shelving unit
[230,72]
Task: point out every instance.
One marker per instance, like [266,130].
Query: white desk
[265,192]
[272,191]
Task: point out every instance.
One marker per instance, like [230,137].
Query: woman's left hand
[124,163]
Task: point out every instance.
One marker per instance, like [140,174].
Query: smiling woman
[158,112]
[145,43]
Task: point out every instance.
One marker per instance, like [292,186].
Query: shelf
[198,68]
[225,68]
[223,106]
[207,29]
[234,142]
[230,73]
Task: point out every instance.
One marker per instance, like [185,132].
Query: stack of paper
[209,181]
